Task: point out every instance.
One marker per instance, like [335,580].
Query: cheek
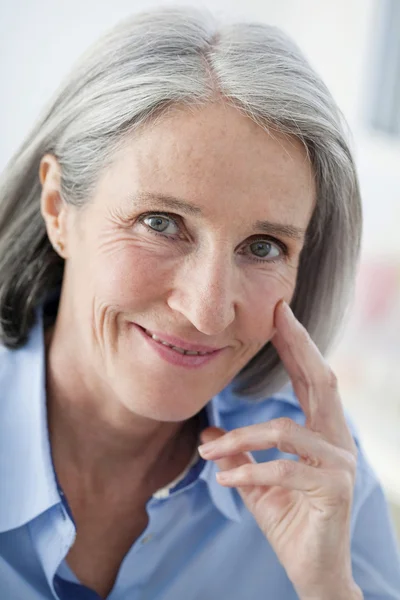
[261,303]
[129,277]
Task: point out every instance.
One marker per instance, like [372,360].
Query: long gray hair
[133,74]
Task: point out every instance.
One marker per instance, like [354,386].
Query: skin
[304,507]
[115,407]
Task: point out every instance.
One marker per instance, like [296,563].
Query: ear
[52,206]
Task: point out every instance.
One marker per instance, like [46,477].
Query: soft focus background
[355,46]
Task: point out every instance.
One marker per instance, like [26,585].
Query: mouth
[178,349]
[178,352]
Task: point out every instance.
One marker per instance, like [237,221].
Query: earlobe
[52,206]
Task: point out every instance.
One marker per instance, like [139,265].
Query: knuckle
[305,381]
[284,425]
[283,434]
[235,435]
[235,438]
[284,468]
[324,378]
[246,471]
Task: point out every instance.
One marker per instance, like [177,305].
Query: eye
[266,249]
[161,224]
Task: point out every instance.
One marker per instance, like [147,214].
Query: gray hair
[146,64]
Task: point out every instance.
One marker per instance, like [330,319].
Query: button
[147,538]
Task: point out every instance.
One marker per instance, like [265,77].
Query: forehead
[220,160]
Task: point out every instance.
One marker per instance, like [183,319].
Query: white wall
[40,40]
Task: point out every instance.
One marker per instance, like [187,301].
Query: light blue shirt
[201,543]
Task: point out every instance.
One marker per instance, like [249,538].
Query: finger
[213,435]
[313,381]
[285,435]
[290,475]
[250,494]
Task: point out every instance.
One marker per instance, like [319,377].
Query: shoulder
[10,369]
[21,372]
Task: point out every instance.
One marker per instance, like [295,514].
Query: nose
[206,291]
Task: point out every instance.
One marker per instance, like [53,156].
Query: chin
[165,407]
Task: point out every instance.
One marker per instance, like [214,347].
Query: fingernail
[221,476]
[206,449]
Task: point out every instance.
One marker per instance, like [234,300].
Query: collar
[25,454]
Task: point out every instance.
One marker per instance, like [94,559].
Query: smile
[176,348]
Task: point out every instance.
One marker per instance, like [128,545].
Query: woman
[185,186]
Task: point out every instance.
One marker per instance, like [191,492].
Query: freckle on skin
[224,163]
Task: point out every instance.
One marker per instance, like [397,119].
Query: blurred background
[355,47]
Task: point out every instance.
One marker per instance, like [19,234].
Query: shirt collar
[25,455]
[229,402]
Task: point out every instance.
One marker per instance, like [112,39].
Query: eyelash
[281,245]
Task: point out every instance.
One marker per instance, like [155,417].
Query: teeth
[176,348]
[180,350]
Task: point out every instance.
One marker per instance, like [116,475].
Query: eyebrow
[172,203]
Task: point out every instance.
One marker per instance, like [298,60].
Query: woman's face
[194,234]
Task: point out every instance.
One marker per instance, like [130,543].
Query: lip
[174,341]
[175,358]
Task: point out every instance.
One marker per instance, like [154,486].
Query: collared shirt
[201,543]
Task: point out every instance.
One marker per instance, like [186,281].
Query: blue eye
[264,249]
[160,224]
[257,250]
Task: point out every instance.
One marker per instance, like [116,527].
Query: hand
[303,507]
